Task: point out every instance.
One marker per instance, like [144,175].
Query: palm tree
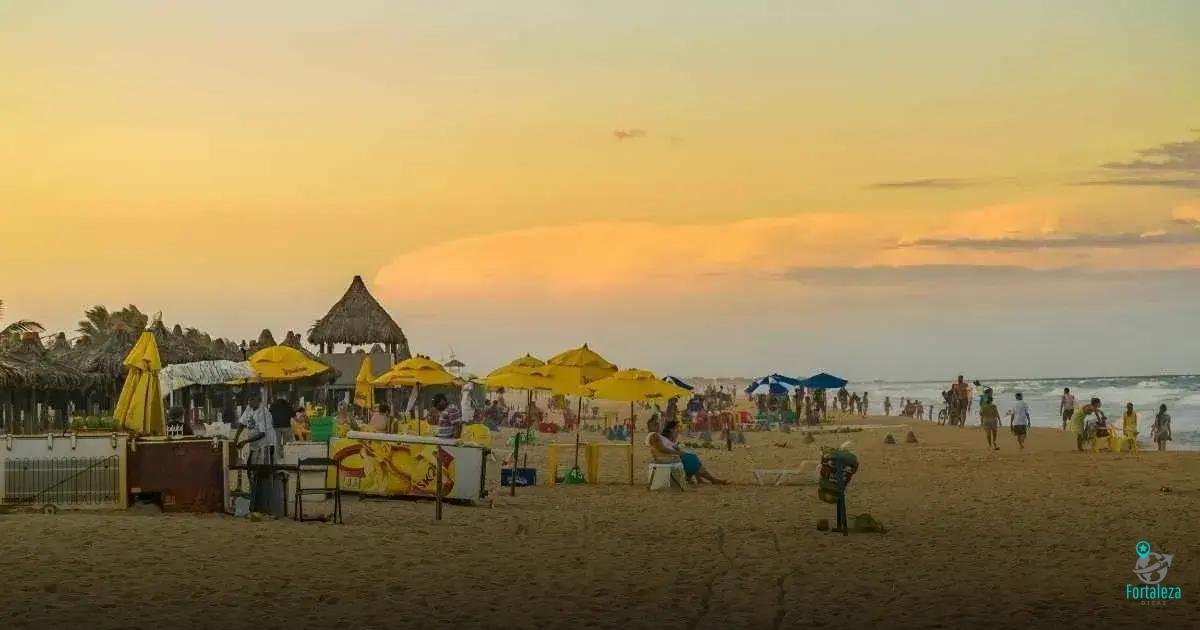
[19,327]
[99,322]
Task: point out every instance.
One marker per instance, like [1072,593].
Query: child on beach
[1019,419]
[989,417]
[1161,432]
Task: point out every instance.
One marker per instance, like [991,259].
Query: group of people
[266,428]
[1088,422]
[909,408]
[852,402]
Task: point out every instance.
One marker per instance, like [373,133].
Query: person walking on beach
[887,405]
[1129,428]
[960,397]
[866,405]
[1161,431]
[1019,419]
[989,417]
[1066,407]
[1079,425]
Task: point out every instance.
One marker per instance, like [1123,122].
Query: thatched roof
[106,358]
[358,319]
[27,364]
[60,347]
[265,340]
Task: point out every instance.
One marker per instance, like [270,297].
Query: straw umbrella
[358,319]
[26,365]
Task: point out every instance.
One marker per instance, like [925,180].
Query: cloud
[935,183]
[629,134]
[964,275]
[1143,182]
[1183,156]
[1128,239]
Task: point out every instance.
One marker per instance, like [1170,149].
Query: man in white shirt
[256,423]
[1020,419]
[1066,407]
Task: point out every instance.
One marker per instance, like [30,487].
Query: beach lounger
[762,476]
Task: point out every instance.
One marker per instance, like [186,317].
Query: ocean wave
[1153,384]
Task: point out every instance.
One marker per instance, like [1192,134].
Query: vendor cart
[185,474]
[391,465]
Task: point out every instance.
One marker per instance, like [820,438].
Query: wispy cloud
[1152,182]
[629,134]
[1059,242]
[944,183]
[1183,156]
[1168,165]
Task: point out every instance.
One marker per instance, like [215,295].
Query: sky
[876,189]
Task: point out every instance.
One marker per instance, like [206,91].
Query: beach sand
[975,539]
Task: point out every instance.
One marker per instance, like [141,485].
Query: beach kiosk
[392,465]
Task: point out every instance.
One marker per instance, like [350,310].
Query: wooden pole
[512,482]
[632,426]
[438,508]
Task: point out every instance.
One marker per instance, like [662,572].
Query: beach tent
[824,381]
[677,382]
[140,406]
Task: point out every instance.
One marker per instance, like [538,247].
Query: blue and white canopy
[774,384]
[677,382]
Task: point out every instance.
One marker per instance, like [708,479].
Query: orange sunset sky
[878,189]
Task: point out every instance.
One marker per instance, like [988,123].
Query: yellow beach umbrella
[416,372]
[284,363]
[364,389]
[635,386]
[140,406]
[581,364]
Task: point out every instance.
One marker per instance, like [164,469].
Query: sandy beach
[975,539]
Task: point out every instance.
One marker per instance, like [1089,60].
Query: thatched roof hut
[265,340]
[106,358]
[28,365]
[358,319]
[60,348]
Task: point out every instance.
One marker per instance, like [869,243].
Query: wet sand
[975,538]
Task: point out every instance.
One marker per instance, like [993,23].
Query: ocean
[1181,395]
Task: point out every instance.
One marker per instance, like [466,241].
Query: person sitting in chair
[663,446]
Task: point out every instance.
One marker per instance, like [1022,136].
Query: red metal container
[189,474]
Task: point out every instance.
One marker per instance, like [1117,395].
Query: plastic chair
[673,476]
[322,464]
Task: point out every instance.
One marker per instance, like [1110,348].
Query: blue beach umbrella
[824,381]
[775,384]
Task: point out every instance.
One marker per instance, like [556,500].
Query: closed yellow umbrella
[140,406]
[364,389]
[284,363]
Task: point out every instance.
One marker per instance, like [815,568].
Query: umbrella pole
[632,427]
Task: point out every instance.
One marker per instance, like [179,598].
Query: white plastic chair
[663,476]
